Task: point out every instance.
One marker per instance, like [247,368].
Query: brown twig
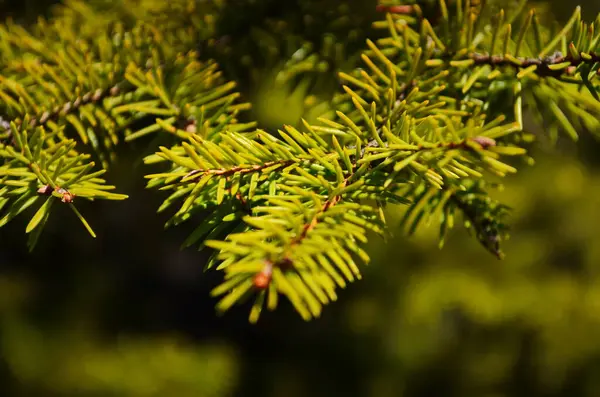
[314,221]
[69,107]
[543,64]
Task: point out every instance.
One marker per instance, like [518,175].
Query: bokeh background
[129,314]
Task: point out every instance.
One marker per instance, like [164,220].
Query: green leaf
[17,207]
[563,120]
[40,214]
[234,296]
[257,308]
[83,221]
[552,44]
[221,190]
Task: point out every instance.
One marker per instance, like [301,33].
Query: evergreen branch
[116,70]
[432,113]
[36,165]
[258,260]
[308,274]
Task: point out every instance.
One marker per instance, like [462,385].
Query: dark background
[129,314]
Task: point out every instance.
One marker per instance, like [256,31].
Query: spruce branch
[434,112]
[322,181]
[35,164]
[96,84]
[403,131]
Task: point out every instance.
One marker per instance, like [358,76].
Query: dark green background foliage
[129,314]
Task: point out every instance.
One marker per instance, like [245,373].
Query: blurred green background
[129,314]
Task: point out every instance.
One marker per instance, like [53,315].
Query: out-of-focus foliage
[74,361]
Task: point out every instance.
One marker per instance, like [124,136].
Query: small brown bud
[66,108]
[114,91]
[191,127]
[263,279]
[45,190]
[45,116]
[5,125]
[97,95]
[397,9]
[67,198]
[484,141]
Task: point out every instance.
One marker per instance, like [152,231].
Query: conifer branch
[430,115]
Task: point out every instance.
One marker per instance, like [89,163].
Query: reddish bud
[484,141]
[191,127]
[67,197]
[66,108]
[45,116]
[97,95]
[45,190]
[404,9]
[263,279]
